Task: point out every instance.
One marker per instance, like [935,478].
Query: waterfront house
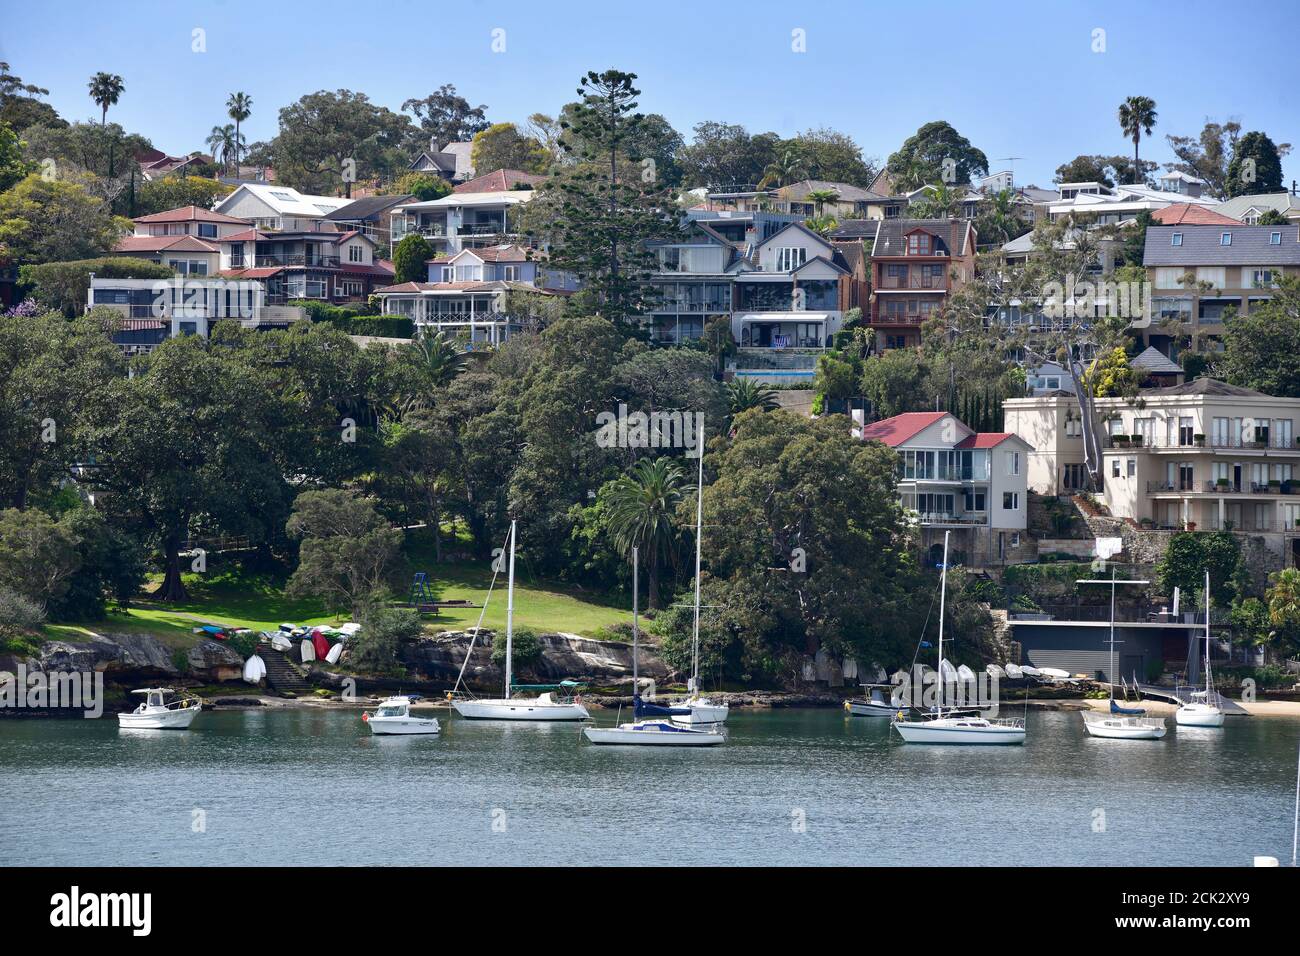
[1199,273]
[1102,205]
[1201,455]
[464,219]
[916,264]
[334,267]
[466,293]
[153,310]
[275,208]
[184,239]
[371,216]
[953,478]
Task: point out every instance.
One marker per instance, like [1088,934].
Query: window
[1275,238]
[918,244]
[1169,278]
[1176,239]
[789,258]
[1259,278]
[1214,275]
[356,254]
[1013,463]
[1186,474]
[1114,467]
[510,273]
[1225,239]
[1010,501]
[208,230]
[1072,478]
[448,274]
[1186,431]
[1132,467]
[975,501]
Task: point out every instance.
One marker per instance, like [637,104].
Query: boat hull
[394,726]
[1198,715]
[518,710]
[930,732]
[1126,728]
[633,735]
[867,708]
[176,719]
[702,712]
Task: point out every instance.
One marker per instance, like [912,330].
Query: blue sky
[1018,79]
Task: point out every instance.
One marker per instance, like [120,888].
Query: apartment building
[1198,273]
[952,478]
[1201,455]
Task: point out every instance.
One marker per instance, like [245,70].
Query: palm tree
[642,505]
[1001,221]
[224,143]
[911,174]
[105,88]
[239,107]
[746,393]
[939,201]
[439,358]
[1137,114]
[785,169]
[821,197]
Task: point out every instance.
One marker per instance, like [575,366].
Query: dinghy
[874,705]
[254,669]
[335,653]
[308,652]
[1014,672]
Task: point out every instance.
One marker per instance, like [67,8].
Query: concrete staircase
[282,675]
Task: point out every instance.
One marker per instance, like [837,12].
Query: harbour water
[313,787]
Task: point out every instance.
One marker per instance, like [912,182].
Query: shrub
[526,648]
[19,617]
[375,646]
[62,286]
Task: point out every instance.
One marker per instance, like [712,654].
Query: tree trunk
[1136,168]
[172,588]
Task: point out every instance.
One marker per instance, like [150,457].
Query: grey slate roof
[855,229]
[1156,362]
[1202,246]
[891,241]
[367,208]
[1205,386]
[1237,207]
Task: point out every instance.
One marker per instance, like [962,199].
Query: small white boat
[655,733]
[1014,672]
[334,654]
[703,711]
[393,716]
[1203,709]
[954,727]
[254,669]
[1054,673]
[873,706]
[154,714]
[308,650]
[542,707]
[994,671]
[1121,727]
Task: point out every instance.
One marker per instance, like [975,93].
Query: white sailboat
[1120,723]
[1203,709]
[654,732]
[957,728]
[154,714]
[702,710]
[544,707]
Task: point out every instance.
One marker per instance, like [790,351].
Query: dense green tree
[329,140]
[746,393]
[62,286]
[641,509]
[13,167]
[410,259]
[346,552]
[927,149]
[445,117]
[502,146]
[1259,347]
[833,156]
[1190,555]
[1256,166]
[1273,217]
[171,192]
[38,556]
[1283,598]
[725,155]
[423,186]
[20,104]
[895,383]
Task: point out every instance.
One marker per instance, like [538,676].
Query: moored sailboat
[545,707]
[1204,709]
[953,727]
[1120,723]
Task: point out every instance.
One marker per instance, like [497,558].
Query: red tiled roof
[984,440]
[161,243]
[1187,214]
[190,214]
[248,235]
[264,273]
[377,269]
[498,181]
[894,431]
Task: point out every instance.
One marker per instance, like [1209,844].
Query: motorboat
[393,716]
[156,713]
[1203,709]
[950,726]
[875,704]
[545,707]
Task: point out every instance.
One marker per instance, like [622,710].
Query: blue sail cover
[1126,711]
[641,708]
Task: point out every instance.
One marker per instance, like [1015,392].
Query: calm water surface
[313,787]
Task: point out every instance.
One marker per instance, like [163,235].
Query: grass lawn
[238,600]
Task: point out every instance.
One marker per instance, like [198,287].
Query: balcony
[300,260]
[1203,443]
[964,519]
[914,282]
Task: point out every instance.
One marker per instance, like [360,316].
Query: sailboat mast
[1207,637]
[636,630]
[510,613]
[1110,673]
[943,594]
[699,538]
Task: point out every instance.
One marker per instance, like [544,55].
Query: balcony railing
[941,517]
[311,262]
[668,305]
[1276,443]
[920,283]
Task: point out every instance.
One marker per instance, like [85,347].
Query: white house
[953,478]
[273,208]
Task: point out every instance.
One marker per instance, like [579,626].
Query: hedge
[355,322]
[62,286]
